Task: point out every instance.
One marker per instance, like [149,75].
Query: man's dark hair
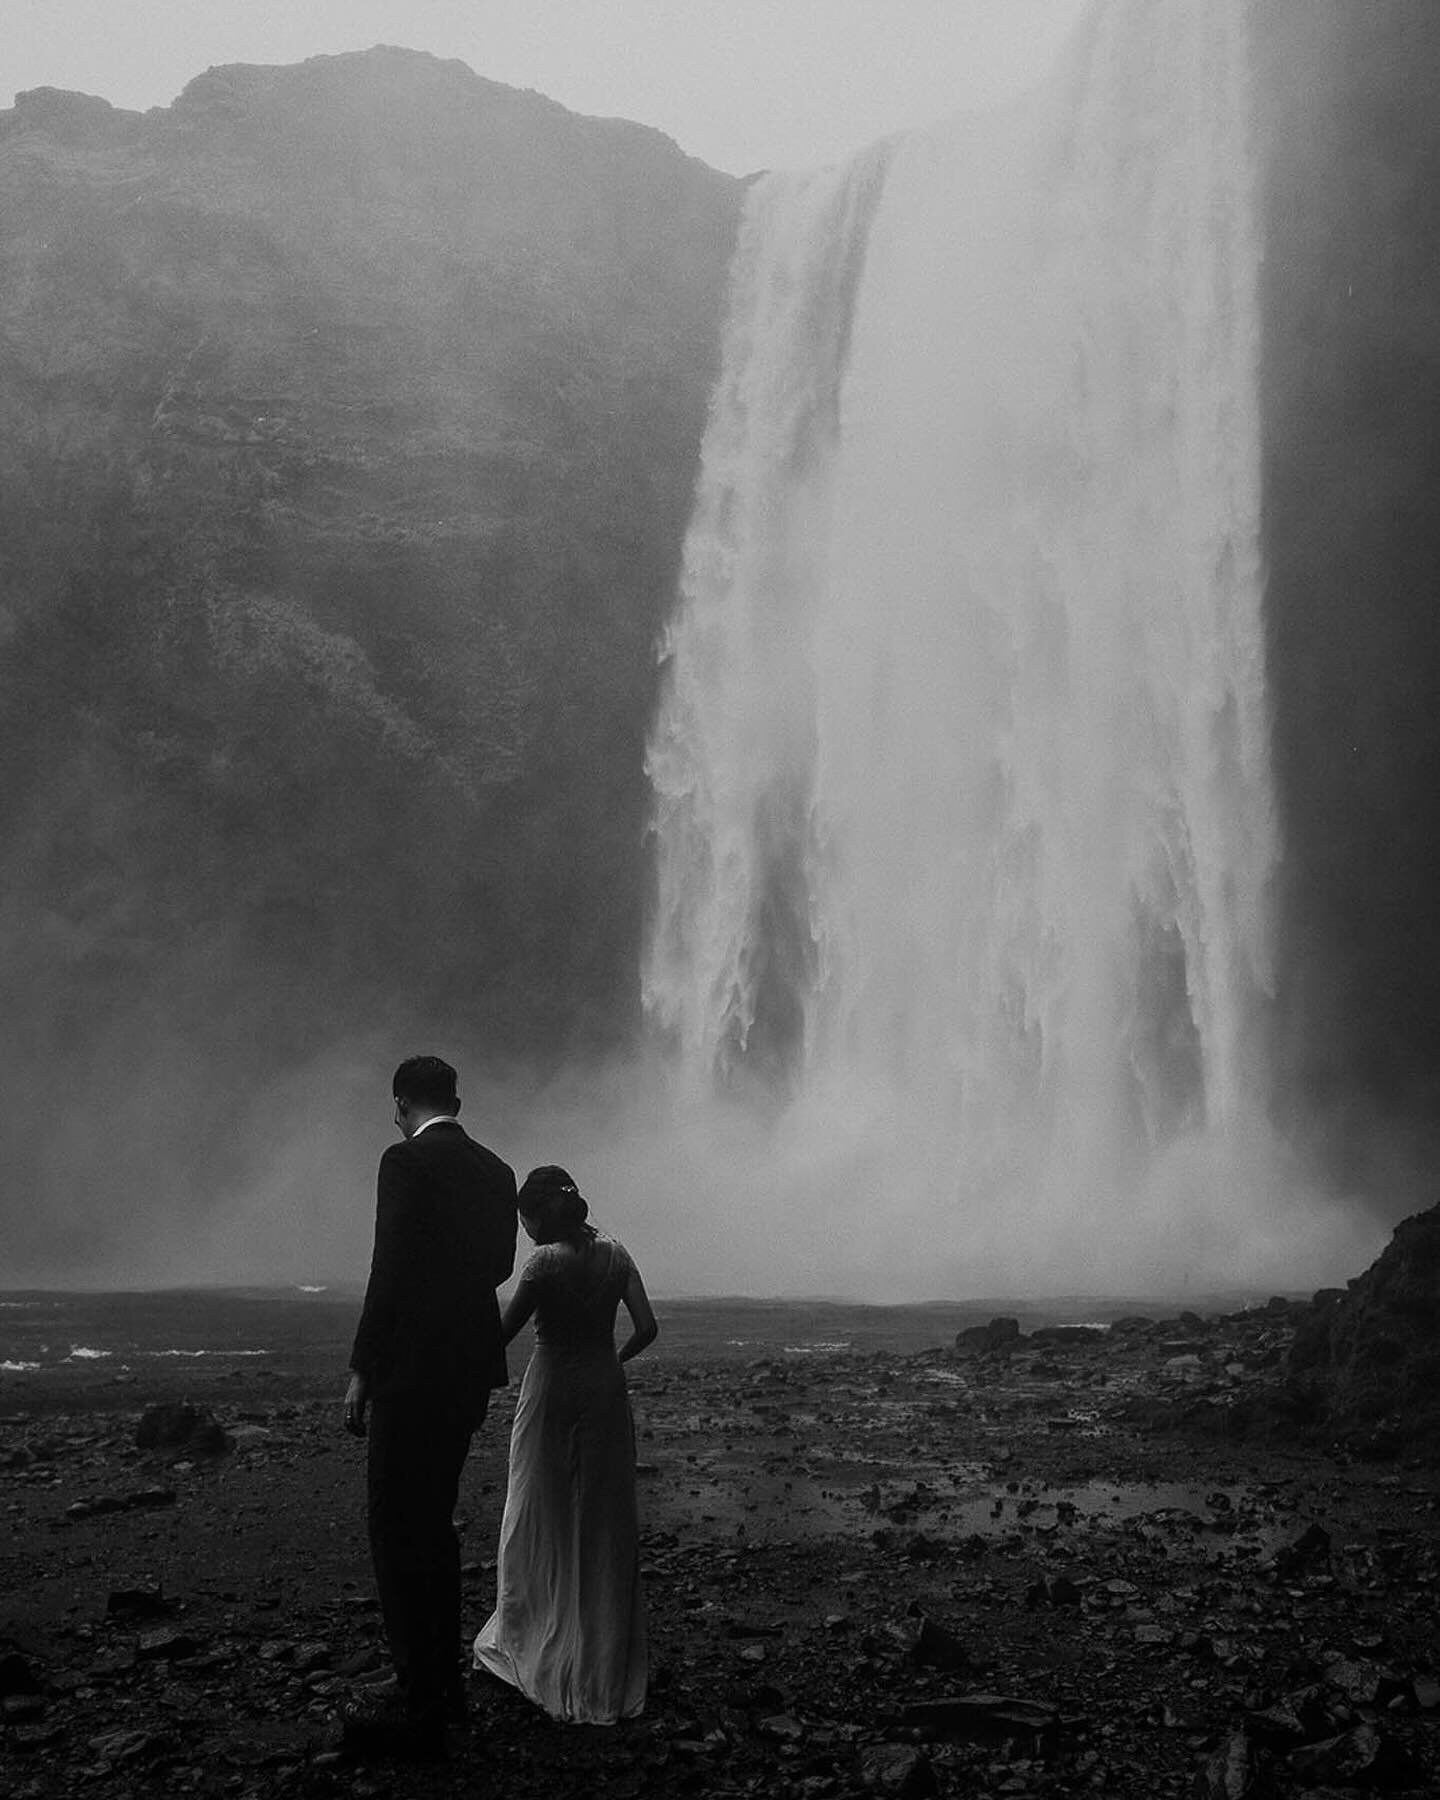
[426,1081]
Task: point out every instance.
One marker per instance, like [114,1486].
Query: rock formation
[348,421]
[1370,1354]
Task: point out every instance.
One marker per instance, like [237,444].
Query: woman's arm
[642,1317]
[520,1306]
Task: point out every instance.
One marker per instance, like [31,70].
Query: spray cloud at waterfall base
[964,830]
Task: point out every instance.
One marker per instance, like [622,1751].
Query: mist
[712,1196]
[347,511]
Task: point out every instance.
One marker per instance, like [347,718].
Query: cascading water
[733,760]
[962,811]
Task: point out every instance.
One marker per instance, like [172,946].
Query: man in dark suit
[427,1353]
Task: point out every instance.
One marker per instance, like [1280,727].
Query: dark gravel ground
[875,1564]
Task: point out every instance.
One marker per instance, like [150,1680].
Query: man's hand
[357,1395]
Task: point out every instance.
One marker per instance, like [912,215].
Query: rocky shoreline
[1129,1561]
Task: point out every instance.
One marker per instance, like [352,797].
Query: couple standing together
[568,1628]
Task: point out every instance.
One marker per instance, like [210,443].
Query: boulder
[980,1340]
[177,1425]
[1371,1354]
[1069,1334]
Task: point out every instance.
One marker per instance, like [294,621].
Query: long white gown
[569,1623]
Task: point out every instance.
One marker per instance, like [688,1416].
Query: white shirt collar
[439,1119]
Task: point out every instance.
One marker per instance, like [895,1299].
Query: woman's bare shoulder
[619,1254]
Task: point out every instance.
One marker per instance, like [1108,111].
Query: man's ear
[456,1108]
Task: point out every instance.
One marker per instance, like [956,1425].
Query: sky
[742,84]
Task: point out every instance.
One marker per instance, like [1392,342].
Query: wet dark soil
[875,1564]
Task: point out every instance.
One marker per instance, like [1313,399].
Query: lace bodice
[577,1291]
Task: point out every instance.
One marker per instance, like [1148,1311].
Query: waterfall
[962,816]
[732,759]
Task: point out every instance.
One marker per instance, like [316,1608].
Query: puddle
[1222,1510]
[820,1497]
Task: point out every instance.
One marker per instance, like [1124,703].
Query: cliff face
[349,416]
[1368,1356]
[1351,145]
[348,423]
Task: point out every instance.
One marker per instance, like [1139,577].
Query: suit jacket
[444,1241]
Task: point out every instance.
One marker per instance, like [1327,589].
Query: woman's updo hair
[552,1190]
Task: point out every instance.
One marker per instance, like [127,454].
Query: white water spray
[963,819]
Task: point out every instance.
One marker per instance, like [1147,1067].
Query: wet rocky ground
[1039,1562]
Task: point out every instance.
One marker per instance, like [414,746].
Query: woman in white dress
[568,1628]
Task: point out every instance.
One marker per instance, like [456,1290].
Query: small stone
[89,1509]
[980,1716]
[151,1496]
[26,1740]
[899,1771]
[1297,1719]
[935,1647]
[1312,1546]
[1230,1774]
[112,1662]
[359,1662]
[1354,1758]
[1358,1681]
[16,1674]
[127,1746]
[143,1601]
[167,1643]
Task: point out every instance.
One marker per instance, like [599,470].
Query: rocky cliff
[348,424]
[348,421]
[1368,1356]
[1350,140]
